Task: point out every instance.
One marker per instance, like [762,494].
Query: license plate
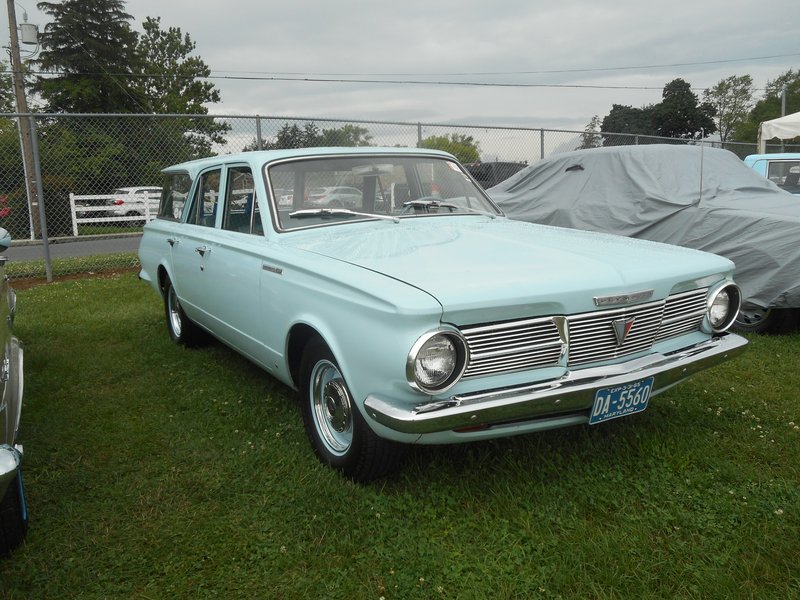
[621,400]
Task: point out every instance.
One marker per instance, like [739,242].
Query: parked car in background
[13,507]
[702,198]
[425,316]
[781,169]
[335,197]
[489,174]
[133,201]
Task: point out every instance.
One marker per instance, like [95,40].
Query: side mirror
[5,240]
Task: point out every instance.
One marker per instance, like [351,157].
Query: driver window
[241,204]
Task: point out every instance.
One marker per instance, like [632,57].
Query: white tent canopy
[785,128]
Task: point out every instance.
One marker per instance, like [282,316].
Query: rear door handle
[203,250]
[172,241]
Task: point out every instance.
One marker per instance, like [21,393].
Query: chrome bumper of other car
[10,459]
[565,401]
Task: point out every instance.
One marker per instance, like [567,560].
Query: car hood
[474,263]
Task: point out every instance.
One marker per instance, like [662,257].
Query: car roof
[751,158]
[260,157]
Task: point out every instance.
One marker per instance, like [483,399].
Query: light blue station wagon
[416,313]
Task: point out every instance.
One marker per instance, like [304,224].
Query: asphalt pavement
[26,250]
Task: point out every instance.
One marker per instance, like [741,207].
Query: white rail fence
[112,209]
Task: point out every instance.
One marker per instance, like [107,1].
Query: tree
[770,106]
[591,137]
[463,147]
[732,99]
[679,115]
[7,103]
[310,136]
[347,135]
[90,53]
[627,119]
[172,78]
[172,82]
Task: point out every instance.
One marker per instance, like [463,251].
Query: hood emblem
[622,327]
[618,299]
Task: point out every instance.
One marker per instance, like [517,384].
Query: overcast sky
[471,41]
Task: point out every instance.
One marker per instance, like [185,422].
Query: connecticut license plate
[621,400]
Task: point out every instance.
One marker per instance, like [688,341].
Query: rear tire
[13,516]
[770,320]
[181,329]
[338,433]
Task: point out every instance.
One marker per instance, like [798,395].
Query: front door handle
[172,241]
[203,250]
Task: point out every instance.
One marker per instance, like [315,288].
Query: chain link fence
[99,175]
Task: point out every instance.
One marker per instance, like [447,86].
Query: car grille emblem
[622,327]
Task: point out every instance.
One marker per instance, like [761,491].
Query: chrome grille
[683,313]
[513,346]
[592,337]
[535,343]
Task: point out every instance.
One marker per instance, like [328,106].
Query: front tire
[335,427]
[752,319]
[13,516]
[181,329]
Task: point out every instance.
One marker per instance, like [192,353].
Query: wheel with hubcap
[13,516]
[336,429]
[181,329]
[753,319]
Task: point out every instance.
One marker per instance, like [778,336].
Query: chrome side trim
[571,393]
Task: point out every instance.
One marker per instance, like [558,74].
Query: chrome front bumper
[569,395]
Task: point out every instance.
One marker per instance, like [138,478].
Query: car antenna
[702,135]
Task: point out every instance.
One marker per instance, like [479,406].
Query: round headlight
[723,307]
[436,361]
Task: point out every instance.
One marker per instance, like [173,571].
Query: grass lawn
[158,472]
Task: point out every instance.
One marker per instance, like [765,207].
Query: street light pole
[23,122]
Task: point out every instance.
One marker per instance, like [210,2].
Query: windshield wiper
[338,212]
[428,203]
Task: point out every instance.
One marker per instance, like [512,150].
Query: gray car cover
[697,197]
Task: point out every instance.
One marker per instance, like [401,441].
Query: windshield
[333,190]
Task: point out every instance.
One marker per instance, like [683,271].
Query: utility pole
[24,123]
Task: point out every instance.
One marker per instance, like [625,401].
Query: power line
[367,81]
[489,73]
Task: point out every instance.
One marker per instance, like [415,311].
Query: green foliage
[90,51]
[464,147]
[7,102]
[732,99]
[311,136]
[678,115]
[591,137]
[172,82]
[158,472]
[627,119]
[769,106]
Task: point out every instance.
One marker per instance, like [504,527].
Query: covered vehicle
[13,508]
[425,316]
[702,198]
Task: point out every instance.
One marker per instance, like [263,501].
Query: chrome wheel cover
[174,312]
[752,316]
[331,407]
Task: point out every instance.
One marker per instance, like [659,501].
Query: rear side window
[175,193]
[786,173]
